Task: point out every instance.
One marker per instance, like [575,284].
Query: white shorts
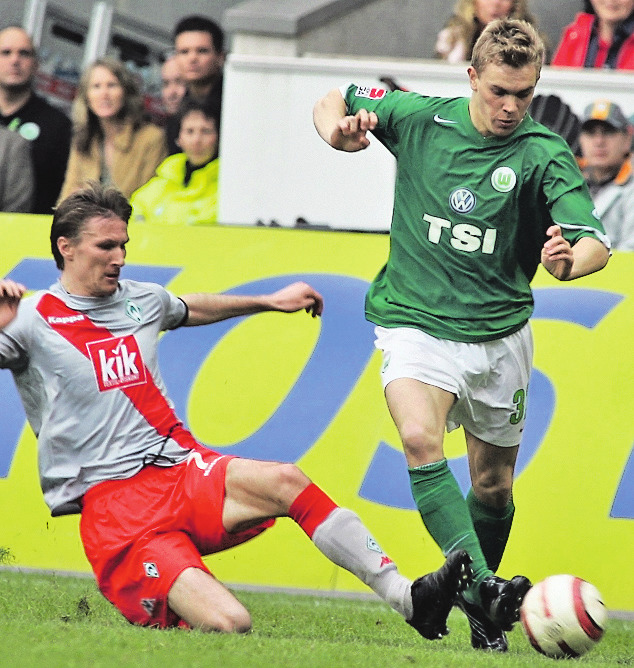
[489,379]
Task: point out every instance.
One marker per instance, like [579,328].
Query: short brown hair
[508,42]
[72,213]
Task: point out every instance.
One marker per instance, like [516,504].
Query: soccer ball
[563,616]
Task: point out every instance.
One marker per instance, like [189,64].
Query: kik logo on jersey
[117,362]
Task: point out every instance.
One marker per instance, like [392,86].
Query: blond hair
[508,42]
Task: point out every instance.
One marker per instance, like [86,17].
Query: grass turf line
[57,621]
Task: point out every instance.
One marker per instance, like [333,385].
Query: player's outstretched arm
[10,295]
[345,133]
[205,308]
[566,262]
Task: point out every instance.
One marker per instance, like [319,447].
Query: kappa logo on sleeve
[370,93]
[117,362]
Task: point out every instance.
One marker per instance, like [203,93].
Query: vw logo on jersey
[462,200]
[503,179]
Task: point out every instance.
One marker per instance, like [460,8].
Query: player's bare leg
[491,469]
[199,598]
[259,490]
[206,604]
[419,412]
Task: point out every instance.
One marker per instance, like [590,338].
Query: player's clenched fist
[354,130]
[342,131]
[10,295]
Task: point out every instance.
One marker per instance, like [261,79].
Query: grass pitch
[59,621]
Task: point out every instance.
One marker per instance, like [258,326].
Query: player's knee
[234,621]
[239,622]
[421,441]
[243,625]
[493,491]
[288,482]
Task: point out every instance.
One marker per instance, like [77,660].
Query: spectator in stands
[16,173]
[172,86]
[606,145]
[46,128]
[602,36]
[455,41]
[199,50]
[112,141]
[185,188]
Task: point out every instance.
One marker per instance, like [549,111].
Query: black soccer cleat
[501,599]
[433,595]
[484,633]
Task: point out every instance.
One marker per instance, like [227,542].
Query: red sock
[310,508]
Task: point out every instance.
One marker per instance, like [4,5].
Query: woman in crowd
[185,188]
[455,41]
[112,141]
[601,36]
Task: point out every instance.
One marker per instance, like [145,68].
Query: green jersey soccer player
[483,195]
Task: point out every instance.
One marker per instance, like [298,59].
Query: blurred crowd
[168,163]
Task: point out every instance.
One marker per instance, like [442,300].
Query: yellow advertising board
[290,388]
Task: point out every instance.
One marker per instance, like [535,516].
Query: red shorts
[139,534]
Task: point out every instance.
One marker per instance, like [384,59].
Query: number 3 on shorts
[519,399]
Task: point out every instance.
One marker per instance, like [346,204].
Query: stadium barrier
[294,174]
[290,388]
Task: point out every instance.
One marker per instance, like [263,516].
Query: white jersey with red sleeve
[87,371]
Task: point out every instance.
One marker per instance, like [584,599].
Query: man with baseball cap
[606,145]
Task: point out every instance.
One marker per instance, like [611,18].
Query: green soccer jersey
[470,216]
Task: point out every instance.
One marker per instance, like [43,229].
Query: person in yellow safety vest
[185,188]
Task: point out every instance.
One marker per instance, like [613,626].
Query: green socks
[446,516]
[493,526]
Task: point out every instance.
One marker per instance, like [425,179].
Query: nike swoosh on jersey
[443,121]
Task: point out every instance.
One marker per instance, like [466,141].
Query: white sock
[344,539]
